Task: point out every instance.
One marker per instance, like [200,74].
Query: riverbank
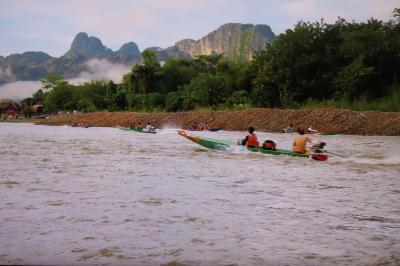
[269,120]
[33,120]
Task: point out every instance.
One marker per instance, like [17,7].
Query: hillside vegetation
[344,64]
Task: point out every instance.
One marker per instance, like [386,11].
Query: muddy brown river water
[106,196]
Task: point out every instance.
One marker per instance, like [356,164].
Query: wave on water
[383,161]
[167,130]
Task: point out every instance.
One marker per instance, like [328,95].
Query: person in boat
[149,128]
[250,140]
[269,145]
[318,147]
[194,125]
[289,129]
[132,126]
[300,142]
[311,129]
[300,128]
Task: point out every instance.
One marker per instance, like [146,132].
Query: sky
[51,25]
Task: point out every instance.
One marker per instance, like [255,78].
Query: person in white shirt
[149,128]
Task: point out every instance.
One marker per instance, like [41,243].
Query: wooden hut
[9,109]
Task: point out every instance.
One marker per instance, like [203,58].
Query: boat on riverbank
[219,144]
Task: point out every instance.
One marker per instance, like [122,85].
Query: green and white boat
[219,144]
[138,129]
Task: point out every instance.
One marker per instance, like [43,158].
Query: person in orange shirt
[250,140]
[300,142]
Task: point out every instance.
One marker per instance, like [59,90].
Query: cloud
[5,72]
[101,69]
[19,90]
[97,70]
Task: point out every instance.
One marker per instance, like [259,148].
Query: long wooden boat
[138,129]
[219,144]
[325,133]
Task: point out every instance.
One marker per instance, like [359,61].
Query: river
[106,196]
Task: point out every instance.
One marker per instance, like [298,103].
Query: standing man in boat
[300,142]
[250,140]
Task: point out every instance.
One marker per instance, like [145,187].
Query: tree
[206,90]
[38,97]
[120,100]
[173,102]
[60,98]
[27,111]
[240,97]
[51,81]
[150,59]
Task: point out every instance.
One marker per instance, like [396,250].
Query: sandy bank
[269,120]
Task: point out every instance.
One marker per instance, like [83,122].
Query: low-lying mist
[101,69]
[97,69]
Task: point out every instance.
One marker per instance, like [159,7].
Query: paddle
[336,154]
[325,151]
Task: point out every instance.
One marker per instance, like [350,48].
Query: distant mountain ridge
[234,40]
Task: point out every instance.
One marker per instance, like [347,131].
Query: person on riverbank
[250,140]
[195,125]
[202,126]
[300,142]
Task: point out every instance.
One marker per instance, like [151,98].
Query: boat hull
[325,133]
[140,130]
[213,129]
[217,144]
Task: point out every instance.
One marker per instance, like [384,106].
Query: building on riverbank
[9,109]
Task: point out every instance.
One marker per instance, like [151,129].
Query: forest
[354,65]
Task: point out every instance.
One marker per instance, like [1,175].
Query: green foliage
[173,102]
[51,81]
[145,102]
[205,90]
[27,111]
[245,48]
[60,97]
[27,101]
[150,59]
[390,103]
[38,97]
[239,98]
[350,61]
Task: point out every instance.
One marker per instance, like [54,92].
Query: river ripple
[105,196]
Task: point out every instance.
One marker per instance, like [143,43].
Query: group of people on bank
[199,126]
[290,129]
[299,142]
